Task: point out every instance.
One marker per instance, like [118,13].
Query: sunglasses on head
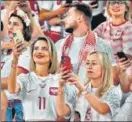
[116,2]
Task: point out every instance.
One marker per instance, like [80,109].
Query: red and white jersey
[112,98]
[51,5]
[39,96]
[119,37]
[23,62]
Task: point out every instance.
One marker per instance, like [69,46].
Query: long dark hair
[26,30]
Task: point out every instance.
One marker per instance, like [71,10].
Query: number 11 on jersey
[42,103]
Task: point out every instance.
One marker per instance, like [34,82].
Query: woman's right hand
[17,50]
[64,75]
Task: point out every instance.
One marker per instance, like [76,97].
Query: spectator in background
[18,21]
[125,113]
[51,12]
[25,6]
[82,40]
[117,31]
[3,96]
[98,99]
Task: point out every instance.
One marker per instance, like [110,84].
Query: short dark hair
[26,30]
[84,8]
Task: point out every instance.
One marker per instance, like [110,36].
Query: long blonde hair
[53,66]
[127,14]
[107,77]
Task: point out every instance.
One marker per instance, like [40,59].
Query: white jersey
[23,62]
[112,98]
[39,96]
[51,5]
[101,45]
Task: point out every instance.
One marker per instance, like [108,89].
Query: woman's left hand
[64,76]
[74,79]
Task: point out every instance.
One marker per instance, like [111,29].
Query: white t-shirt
[112,98]
[23,62]
[51,5]
[39,96]
[101,45]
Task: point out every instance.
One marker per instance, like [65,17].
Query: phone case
[66,62]
[18,36]
[122,55]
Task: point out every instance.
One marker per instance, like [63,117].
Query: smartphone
[66,62]
[122,55]
[18,36]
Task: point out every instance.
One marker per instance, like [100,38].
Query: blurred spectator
[82,40]
[125,113]
[51,12]
[118,30]
[18,20]
[98,100]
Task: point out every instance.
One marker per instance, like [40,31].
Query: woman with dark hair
[41,88]
[18,21]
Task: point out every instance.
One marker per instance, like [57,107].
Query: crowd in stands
[67,60]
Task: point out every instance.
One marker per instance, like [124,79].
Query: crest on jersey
[53,91]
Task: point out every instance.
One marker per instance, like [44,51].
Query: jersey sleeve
[112,98]
[22,81]
[127,40]
[24,60]
[4,66]
[70,99]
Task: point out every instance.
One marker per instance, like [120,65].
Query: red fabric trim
[26,71]
[119,24]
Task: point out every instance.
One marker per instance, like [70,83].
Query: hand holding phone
[18,36]
[66,62]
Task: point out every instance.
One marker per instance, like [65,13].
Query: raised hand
[62,9]
[13,5]
[17,50]
[25,6]
[64,75]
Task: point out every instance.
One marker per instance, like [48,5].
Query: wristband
[84,92]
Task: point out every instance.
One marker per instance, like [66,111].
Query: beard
[69,30]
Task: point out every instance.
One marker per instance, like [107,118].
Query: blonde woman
[39,87]
[99,100]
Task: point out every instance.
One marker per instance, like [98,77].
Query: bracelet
[13,65]
[84,92]
[60,91]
